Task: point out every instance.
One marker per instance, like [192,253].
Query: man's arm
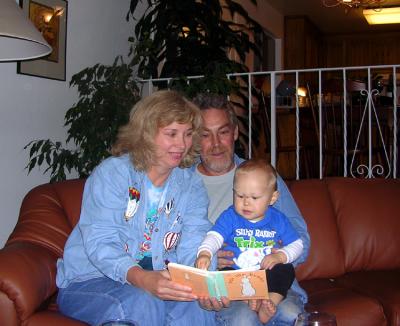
[224,258]
[288,206]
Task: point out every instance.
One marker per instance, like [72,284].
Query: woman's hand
[159,284]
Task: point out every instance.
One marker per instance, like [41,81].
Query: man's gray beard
[217,167]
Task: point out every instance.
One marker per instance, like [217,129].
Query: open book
[241,284]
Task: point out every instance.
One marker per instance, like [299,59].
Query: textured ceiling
[332,20]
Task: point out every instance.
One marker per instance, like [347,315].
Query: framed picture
[50,18]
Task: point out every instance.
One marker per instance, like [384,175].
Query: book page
[245,285]
[190,276]
[236,284]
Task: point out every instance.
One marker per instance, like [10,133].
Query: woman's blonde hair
[151,113]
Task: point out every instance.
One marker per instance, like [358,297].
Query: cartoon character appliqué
[251,257]
[247,288]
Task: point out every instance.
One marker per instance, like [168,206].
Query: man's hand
[254,304]
[159,284]
[213,304]
[224,258]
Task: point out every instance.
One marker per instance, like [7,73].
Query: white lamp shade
[19,39]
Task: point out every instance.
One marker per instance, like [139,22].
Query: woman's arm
[102,222]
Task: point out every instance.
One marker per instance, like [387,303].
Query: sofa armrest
[27,279]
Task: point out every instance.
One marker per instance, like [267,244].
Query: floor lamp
[19,39]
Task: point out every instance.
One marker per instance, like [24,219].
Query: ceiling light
[383,16]
[348,4]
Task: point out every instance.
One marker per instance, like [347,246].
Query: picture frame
[50,18]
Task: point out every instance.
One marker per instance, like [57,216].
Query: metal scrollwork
[370,170]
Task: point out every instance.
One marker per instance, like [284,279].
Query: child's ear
[274,198]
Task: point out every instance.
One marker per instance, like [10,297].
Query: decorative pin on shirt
[168,207]
[170,240]
[177,220]
[133,203]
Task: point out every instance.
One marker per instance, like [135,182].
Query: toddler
[258,234]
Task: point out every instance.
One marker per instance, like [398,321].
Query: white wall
[267,16]
[273,23]
[34,108]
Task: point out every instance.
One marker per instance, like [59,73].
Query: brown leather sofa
[353,269]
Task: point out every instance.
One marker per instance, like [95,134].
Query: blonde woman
[141,209]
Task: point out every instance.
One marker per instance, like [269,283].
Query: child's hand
[271,260]
[203,261]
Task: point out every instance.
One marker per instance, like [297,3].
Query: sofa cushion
[349,307]
[382,285]
[326,257]
[367,212]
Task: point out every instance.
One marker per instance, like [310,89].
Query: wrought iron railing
[349,113]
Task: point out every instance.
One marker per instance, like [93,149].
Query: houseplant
[177,38]
[173,38]
[106,95]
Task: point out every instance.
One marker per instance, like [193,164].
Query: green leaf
[106,96]
[32,164]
